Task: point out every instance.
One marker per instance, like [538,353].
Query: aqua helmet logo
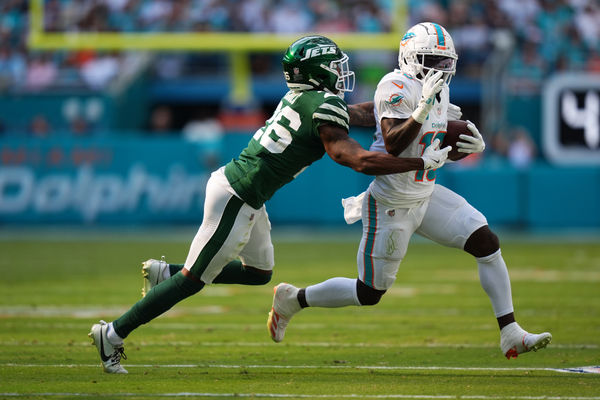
[406,38]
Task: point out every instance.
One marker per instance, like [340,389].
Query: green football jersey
[287,144]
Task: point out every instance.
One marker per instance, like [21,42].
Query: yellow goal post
[236,44]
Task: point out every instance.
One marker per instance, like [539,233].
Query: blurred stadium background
[114,112]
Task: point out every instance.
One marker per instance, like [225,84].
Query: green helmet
[316,62]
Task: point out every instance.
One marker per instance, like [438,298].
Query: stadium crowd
[551,34]
[216,16]
[548,36]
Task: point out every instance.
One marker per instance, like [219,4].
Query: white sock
[513,329]
[112,336]
[494,279]
[332,293]
[166,273]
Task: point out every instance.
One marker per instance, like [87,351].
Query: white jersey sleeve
[396,97]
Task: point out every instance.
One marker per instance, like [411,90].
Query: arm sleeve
[393,99]
[332,111]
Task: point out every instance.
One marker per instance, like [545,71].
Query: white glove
[432,84]
[434,157]
[454,112]
[471,144]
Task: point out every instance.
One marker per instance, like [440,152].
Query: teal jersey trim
[370,242]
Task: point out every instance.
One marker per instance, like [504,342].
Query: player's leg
[386,233]
[156,271]
[255,266]
[493,275]
[225,229]
[484,245]
[332,293]
[450,220]
[235,272]
[213,246]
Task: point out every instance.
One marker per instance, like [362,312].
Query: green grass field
[433,336]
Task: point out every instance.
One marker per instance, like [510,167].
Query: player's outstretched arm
[348,152]
[362,114]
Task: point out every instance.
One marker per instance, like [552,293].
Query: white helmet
[427,46]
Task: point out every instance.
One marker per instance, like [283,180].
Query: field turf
[433,335]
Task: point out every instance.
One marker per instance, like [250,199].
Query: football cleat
[285,305]
[109,354]
[153,272]
[514,340]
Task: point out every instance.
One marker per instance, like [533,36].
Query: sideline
[317,367]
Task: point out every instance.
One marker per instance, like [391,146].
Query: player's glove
[432,85]
[454,112]
[471,144]
[434,157]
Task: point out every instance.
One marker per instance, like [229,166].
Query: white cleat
[285,305]
[153,272]
[514,340]
[109,354]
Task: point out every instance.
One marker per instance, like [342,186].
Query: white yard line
[291,395]
[18,343]
[259,366]
[93,311]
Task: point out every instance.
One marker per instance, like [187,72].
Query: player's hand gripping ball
[470,142]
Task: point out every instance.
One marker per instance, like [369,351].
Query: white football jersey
[397,96]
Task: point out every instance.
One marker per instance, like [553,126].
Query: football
[454,129]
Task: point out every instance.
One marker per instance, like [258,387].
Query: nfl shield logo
[391,213]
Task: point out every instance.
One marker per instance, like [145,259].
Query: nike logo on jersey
[400,86]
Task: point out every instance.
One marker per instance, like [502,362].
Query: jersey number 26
[275,136]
